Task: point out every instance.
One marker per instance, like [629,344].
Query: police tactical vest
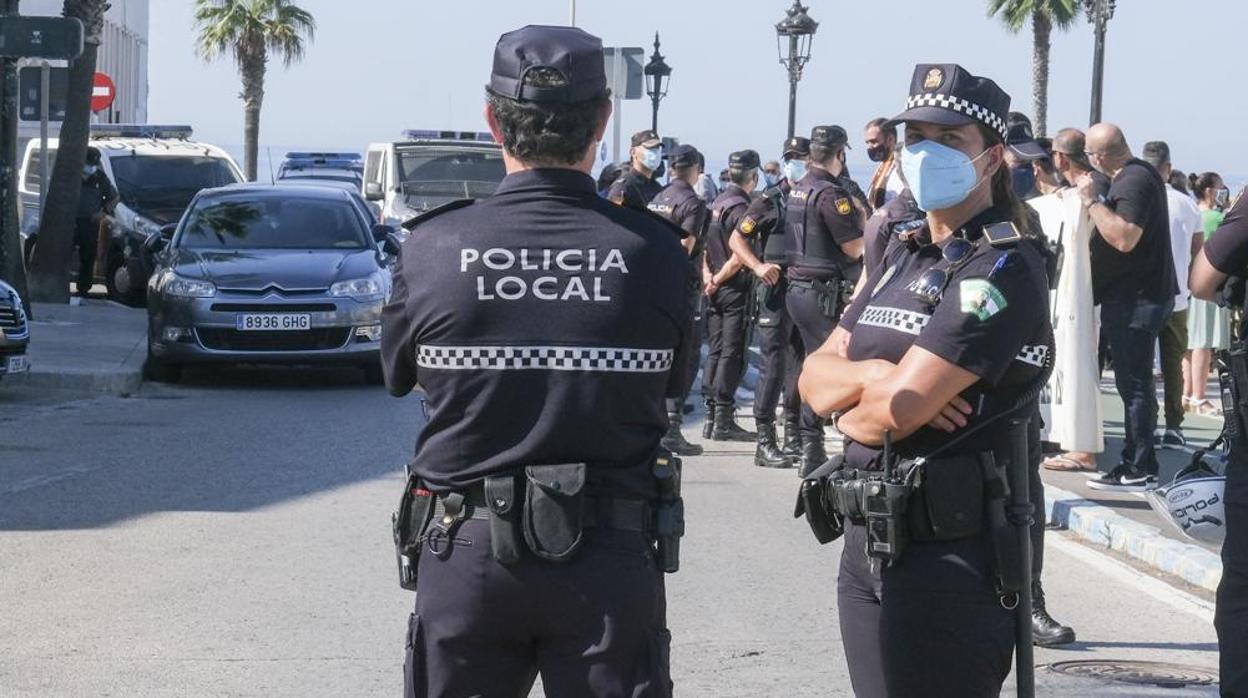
[667,202]
[811,246]
[717,250]
[775,242]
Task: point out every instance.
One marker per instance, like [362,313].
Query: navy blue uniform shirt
[726,214]
[763,226]
[634,189]
[992,320]
[546,325]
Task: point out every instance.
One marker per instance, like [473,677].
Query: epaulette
[1003,234]
[411,223]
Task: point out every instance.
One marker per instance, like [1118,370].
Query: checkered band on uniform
[962,106]
[906,321]
[514,358]
[1033,354]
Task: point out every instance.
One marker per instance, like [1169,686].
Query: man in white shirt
[1184,227]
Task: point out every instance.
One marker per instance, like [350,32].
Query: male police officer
[680,204]
[728,290]
[637,186]
[824,219]
[546,326]
[763,225]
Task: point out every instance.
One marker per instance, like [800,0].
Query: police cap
[568,62]
[646,139]
[683,156]
[744,160]
[829,136]
[1020,138]
[946,94]
[796,147]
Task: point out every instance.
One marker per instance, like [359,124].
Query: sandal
[1205,408]
[1066,464]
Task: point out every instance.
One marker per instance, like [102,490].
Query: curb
[123,380]
[1101,526]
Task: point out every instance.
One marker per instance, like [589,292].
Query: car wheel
[373,374]
[160,371]
[122,286]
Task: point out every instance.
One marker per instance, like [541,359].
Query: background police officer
[761,233]
[680,204]
[824,219]
[638,186]
[1223,256]
[96,201]
[728,290]
[522,316]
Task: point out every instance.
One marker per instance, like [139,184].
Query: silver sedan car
[264,274]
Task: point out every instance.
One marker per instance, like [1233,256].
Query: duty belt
[599,512]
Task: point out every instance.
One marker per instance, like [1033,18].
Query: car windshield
[273,222]
[164,181]
[434,175]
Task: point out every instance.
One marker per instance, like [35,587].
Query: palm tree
[1044,15]
[49,264]
[252,30]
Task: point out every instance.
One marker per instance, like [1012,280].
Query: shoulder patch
[979,297]
[747,225]
[1002,234]
[843,206]
[411,223]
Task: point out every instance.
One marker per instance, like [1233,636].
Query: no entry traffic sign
[103,92]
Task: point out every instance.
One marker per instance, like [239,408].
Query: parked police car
[157,170]
[306,167]
[429,168]
[14,332]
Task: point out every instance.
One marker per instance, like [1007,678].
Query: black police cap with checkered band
[946,94]
[569,61]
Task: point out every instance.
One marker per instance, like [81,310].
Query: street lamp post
[794,35]
[1099,13]
[658,76]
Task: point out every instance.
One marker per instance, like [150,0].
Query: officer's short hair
[547,132]
[824,154]
[740,176]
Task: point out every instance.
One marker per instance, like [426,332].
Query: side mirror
[381,231]
[373,192]
[391,245]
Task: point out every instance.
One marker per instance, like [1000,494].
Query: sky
[379,66]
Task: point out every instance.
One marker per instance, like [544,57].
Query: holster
[768,316]
[409,524]
[813,502]
[502,497]
[553,517]
[669,513]
[1232,367]
[828,297]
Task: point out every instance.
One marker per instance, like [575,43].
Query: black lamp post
[658,76]
[1099,13]
[794,35]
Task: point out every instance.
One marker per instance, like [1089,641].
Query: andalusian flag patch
[981,299]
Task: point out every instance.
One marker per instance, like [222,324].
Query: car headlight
[367,288]
[175,285]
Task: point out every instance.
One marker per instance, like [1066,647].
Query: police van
[156,170]
[429,168]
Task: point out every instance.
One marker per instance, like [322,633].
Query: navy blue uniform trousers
[814,328]
[780,347]
[725,329]
[1231,617]
[593,626]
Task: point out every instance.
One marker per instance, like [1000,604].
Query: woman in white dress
[1208,326]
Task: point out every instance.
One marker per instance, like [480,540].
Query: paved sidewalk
[98,346]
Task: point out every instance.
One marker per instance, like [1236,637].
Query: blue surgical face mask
[770,179]
[651,158]
[88,170]
[1022,179]
[939,176]
[794,170]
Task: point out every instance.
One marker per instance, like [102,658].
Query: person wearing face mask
[949,339]
[761,234]
[1133,281]
[637,187]
[728,291]
[96,202]
[886,183]
[823,220]
[1021,151]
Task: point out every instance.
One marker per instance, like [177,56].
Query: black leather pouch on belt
[948,502]
[828,297]
[814,503]
[501,495]
[409,524]
[554,510]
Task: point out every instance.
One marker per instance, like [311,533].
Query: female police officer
[948,333]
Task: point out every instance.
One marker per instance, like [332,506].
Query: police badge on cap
[949,95]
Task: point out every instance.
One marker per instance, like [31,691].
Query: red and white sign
[103,92]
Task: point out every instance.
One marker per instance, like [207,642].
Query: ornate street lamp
[794,35]
[1099,13]
[658,76]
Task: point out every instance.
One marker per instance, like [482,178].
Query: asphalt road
[230,537]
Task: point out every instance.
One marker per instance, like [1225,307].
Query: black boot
[726,427]
[792,440]
[674,441]
[813,453]
[709,425]
[768,455]
[1045,631]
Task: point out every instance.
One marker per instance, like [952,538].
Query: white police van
[429,168]
[156,169]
